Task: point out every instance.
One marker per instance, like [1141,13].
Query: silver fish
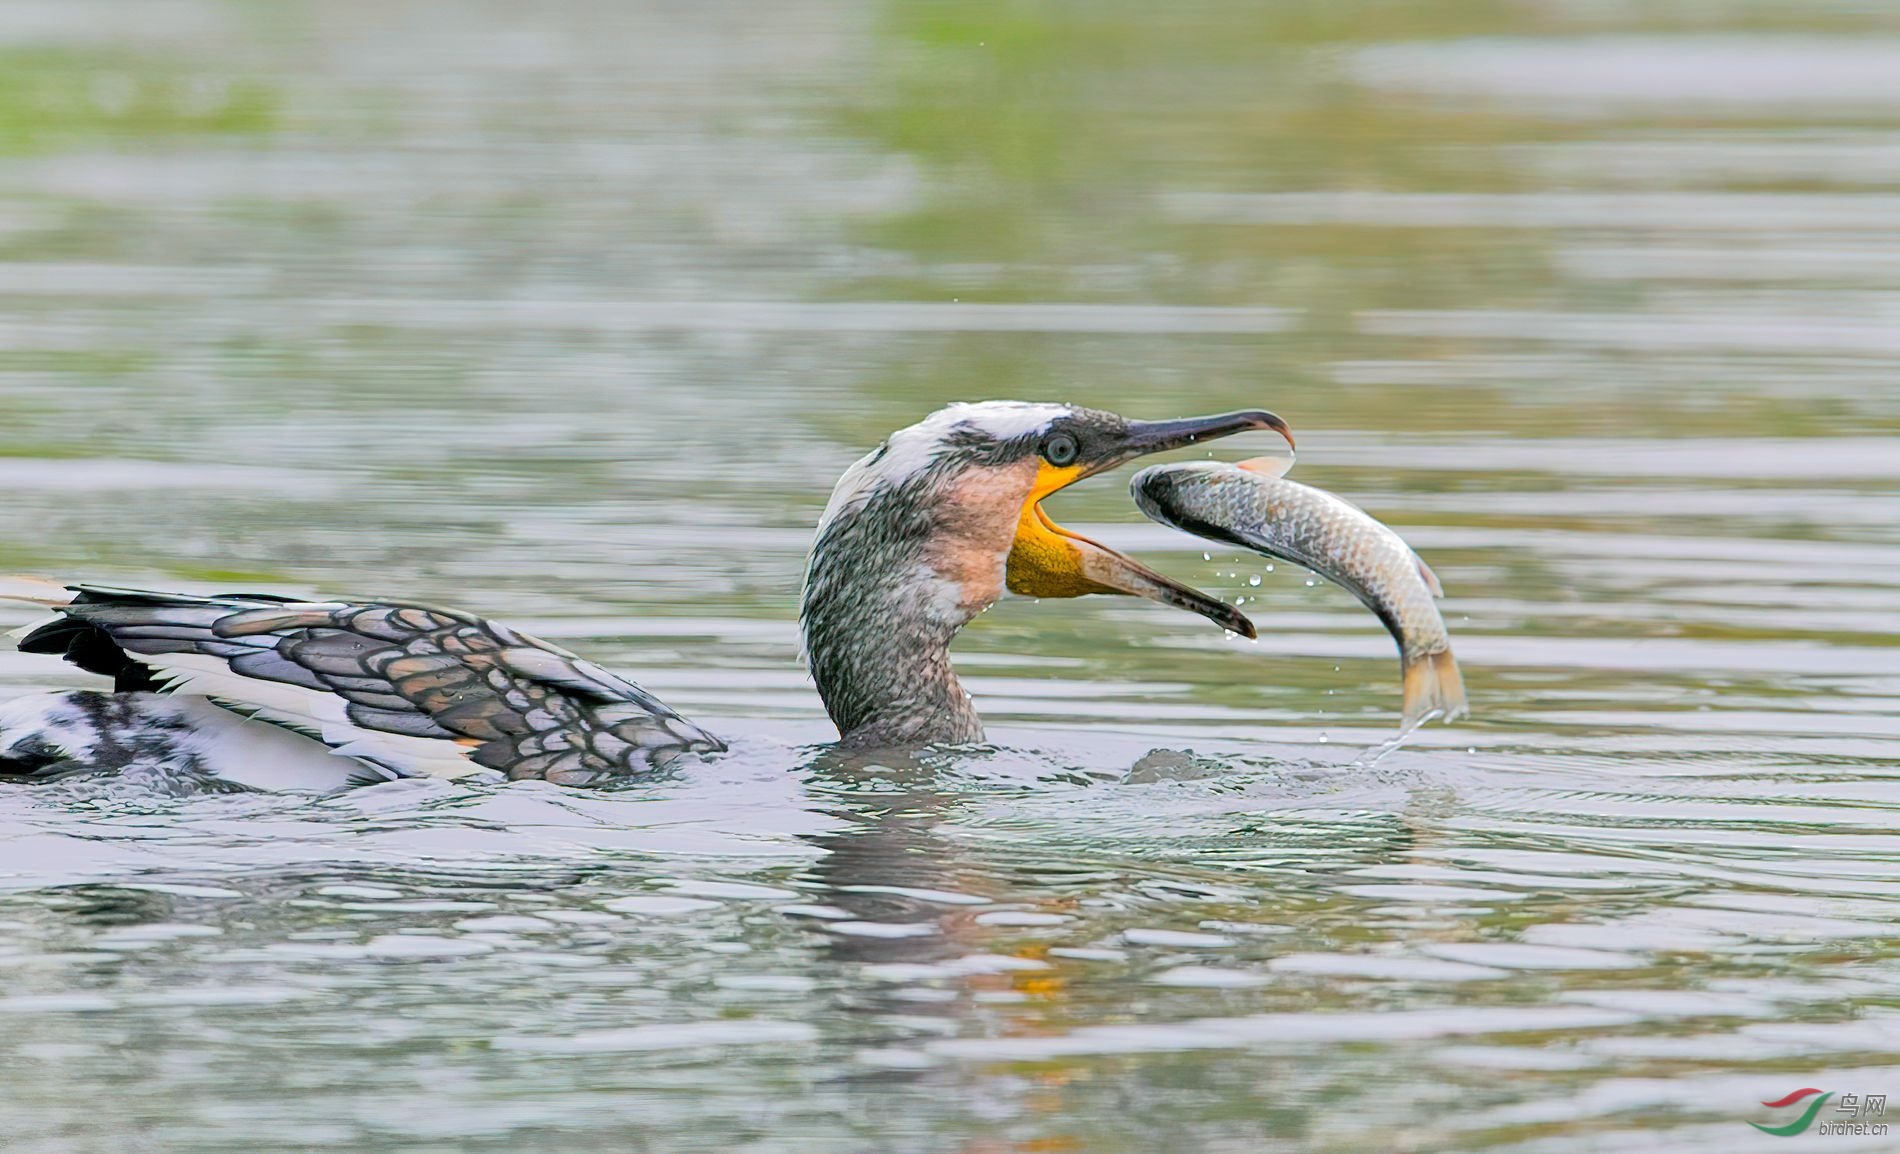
[1253,506]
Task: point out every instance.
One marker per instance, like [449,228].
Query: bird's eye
[1060,449]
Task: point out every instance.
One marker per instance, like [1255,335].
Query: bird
[923,533]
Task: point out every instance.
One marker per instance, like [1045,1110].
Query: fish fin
[1431,578]
[1434,685]
[1268,466]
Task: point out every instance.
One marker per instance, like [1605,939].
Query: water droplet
[1207,556]
[1471,749]
[1269,568]
[1310,582]
[1322,739]
[1254,580]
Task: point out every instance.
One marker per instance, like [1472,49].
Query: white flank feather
[180,732]
[265,756]
[314,711]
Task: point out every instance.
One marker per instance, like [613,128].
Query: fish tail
[1433,685]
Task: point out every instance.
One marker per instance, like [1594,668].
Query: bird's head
[950,508]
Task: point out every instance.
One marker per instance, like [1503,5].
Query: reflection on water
[571,314]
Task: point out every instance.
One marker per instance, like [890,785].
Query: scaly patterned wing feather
[412,687]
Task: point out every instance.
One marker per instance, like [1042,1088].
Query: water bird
[922,534]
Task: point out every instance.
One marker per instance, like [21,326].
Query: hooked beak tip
[1273,421]
[1255,419]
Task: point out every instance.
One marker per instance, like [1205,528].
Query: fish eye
[1060,449]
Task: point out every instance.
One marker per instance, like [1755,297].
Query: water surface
[571,313]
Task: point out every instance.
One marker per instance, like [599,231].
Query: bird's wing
[413,688]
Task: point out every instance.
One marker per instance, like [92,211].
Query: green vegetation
[51,100]
[1049,129]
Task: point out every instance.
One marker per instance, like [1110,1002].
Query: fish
[1253,505]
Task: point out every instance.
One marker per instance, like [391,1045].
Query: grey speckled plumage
[877,622]
[502,699]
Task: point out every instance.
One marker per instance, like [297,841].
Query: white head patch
[914,447]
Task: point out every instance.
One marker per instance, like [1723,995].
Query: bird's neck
[884,673]
[885,593]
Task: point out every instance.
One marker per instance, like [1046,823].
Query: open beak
[1048,560]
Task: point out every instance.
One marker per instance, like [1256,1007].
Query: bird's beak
[1145,437]
[1047,560]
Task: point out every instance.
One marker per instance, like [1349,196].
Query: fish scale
[1253,506]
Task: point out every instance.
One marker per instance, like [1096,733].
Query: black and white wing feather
[413,689]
